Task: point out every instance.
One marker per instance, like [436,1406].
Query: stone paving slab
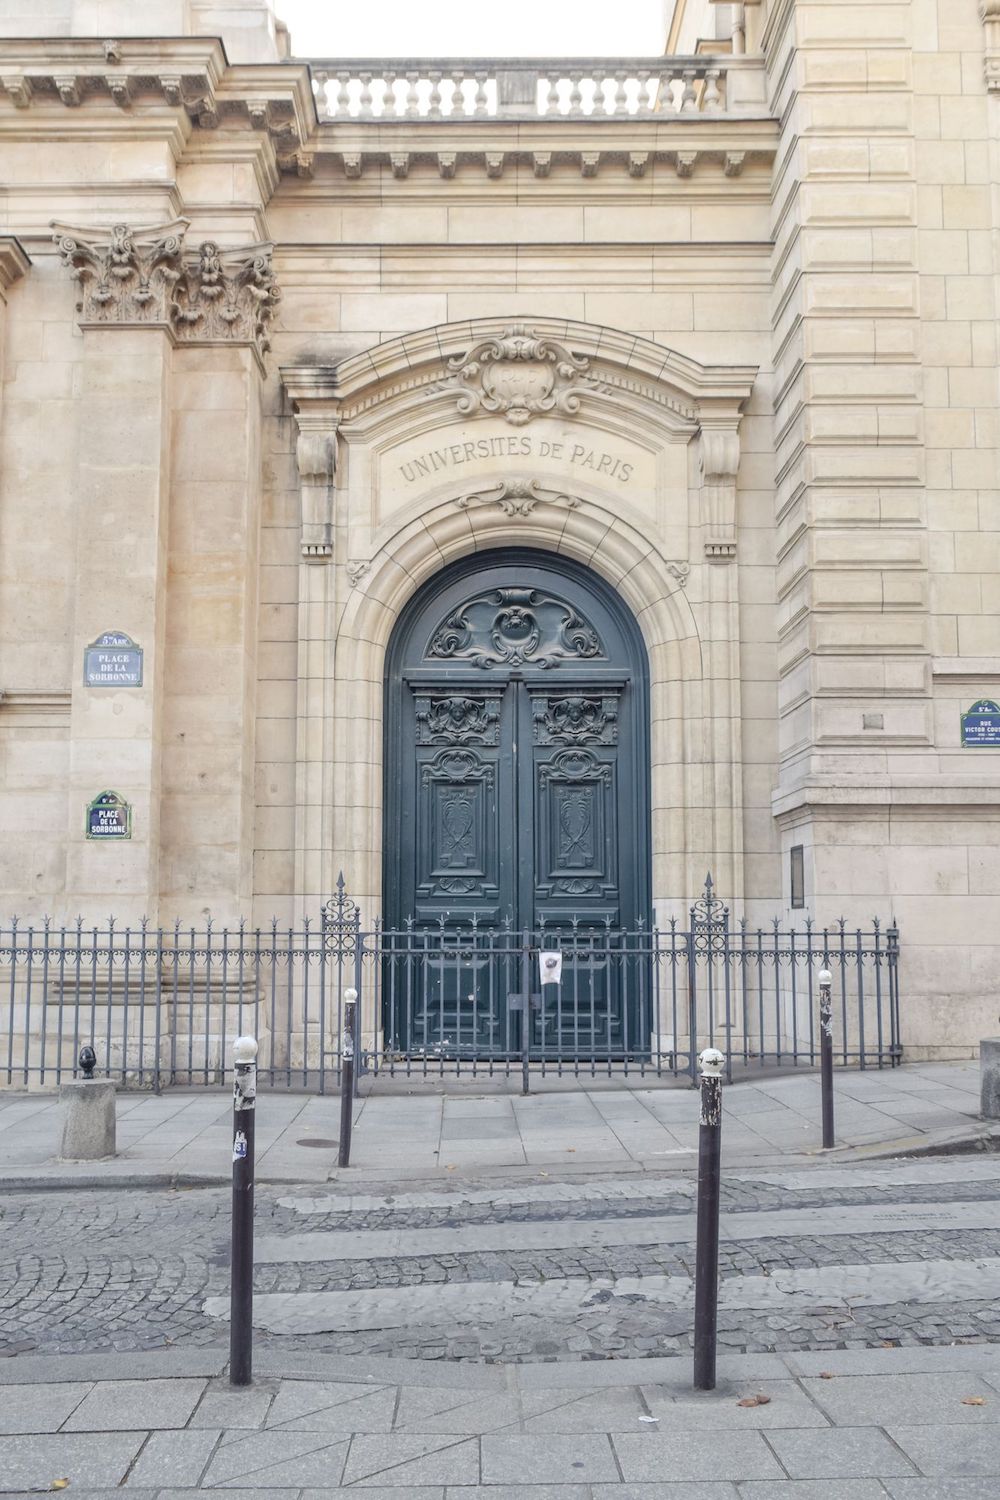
[813,1439]
[632,1122]
[451,1304]
[115,1404]
[350,1244]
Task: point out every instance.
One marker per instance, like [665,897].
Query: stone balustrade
[574,89]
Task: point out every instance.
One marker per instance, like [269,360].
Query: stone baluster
[712,99]
[412,96]
[621,94]
[457,94]
[343,95]
[552,97]
[575,95]
[365,102]
[435,104]
[689,98]
[389,95]
[320,80]
[647,95]
[602,96]
[482,101]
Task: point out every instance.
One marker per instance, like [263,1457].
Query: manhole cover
[316,1140]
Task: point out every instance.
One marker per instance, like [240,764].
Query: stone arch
[664,538]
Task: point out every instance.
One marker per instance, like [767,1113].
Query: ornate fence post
[709,939]
[342,941]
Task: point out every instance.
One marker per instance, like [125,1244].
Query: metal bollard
[826,1055]
[241,1286]
[706,1275]
[347,1079]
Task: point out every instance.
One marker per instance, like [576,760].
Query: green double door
[516,813]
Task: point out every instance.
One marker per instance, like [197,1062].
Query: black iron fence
[162,1006]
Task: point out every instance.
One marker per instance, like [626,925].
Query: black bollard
[826,1055]
[347,1079]
[241,1286]
[706,1275]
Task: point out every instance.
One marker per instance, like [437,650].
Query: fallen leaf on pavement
[973,1400]
[758,1400]
[59,1484]
[825,1375]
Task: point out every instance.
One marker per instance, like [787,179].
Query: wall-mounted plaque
[981,725]
[113,660]
[109,817]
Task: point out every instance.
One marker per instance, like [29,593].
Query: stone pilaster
[122,506]
[317,422]
[169,485]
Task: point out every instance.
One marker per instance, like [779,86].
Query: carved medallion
[518,376]
[515,627]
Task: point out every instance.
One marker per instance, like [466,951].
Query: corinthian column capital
[124,275]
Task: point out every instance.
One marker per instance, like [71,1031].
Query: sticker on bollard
[706,1274]
[241,1286]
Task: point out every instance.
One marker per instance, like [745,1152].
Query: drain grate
[316,1140]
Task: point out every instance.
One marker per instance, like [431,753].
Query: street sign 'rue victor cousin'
[113,660]
[109,817]
[981,725]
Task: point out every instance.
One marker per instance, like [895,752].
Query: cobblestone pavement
[132,1270]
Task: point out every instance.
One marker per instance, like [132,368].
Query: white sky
[456,28]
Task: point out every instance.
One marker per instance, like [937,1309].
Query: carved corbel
[989,11]
[316,455]
[19,88]
[719,462]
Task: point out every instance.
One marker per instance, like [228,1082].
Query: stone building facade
[285,341]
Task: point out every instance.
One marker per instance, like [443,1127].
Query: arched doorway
[516,808]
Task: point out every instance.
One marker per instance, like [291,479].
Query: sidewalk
[186,1135]
[911,1424]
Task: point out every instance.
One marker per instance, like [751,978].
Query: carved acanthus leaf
[518,497]
[131,275]
[226,294]
[518,376]
[125,275]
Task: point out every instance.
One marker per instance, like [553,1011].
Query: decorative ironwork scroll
[515,627]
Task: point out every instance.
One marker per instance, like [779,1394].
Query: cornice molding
[186,73]
[14,261]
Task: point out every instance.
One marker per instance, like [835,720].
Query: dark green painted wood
[516,801]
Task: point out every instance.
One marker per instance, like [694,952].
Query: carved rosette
[124,275]
[129,276]
[517,376]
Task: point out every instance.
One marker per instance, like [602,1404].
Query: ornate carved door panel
[516,801]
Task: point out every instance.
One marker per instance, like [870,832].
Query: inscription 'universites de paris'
[517,446]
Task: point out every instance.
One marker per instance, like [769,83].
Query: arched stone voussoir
[399,361]
[628,562]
